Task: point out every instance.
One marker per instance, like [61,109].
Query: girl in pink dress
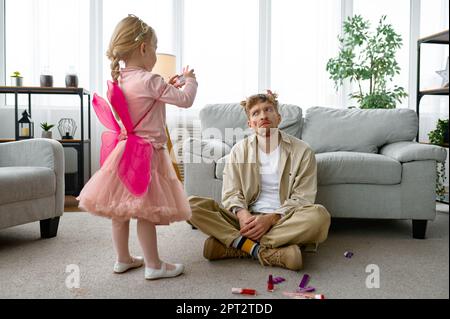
[164,200]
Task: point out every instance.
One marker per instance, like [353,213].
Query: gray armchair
[32,184]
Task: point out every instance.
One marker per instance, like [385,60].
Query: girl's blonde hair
[128,35]
[260,98]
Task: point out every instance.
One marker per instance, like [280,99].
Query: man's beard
[266,131]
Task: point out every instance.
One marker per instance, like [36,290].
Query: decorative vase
[16,81]
[71,81]
[46,134]
[46,80]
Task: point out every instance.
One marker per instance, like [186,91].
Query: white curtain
[304,37]
[221,44]
[41,37]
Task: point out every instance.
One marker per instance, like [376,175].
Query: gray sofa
[368,164]
[32,184]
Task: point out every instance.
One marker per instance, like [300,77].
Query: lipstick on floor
[243,291]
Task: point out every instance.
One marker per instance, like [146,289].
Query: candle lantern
[26,126]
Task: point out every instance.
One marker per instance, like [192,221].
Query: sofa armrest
[204,151]
[37,152]
[412,151]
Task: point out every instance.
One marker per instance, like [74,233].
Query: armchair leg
[49,227]
[419,228]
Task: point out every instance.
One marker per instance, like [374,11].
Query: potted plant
[368,59]
[16,79]
[439,136]
[47,127]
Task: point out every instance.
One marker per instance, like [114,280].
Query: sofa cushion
[357,168]
[25,183]
[328,129]
[216,118]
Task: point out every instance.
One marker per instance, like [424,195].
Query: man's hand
[244,217]
[257,226]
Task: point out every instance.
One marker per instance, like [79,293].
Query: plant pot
[71,81]
[16,81]
[46,134]
[46,81]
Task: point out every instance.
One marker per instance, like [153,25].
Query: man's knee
[201,202]
[201,205]
[318,216]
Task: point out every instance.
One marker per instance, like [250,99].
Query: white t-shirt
[269,197]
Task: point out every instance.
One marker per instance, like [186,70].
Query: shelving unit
[441,38]
[438,38]
[82,145]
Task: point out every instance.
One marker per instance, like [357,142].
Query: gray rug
[408,268]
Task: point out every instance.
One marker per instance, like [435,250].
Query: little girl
[164,201]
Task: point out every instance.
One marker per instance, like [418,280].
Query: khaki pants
[304,225]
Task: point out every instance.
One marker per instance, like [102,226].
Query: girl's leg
[120,233]
[146,232]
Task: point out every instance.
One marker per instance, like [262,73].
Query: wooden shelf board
[42,90]
[435,91]
[440,37]
[4,140]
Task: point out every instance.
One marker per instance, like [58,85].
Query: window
[47,36]
[304,37]
[221,44]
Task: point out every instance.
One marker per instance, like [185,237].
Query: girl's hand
[188,73]
[173,81]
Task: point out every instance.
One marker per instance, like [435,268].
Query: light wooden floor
[71,204]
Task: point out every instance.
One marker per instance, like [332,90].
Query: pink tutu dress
[165,200]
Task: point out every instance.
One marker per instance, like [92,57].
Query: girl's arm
[169,94]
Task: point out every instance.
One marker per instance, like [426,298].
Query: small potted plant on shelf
[47,127]
[439,136]
[16,79]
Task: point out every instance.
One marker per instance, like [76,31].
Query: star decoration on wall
[444,75]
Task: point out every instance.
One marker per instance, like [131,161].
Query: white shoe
[122,267]
[163,272]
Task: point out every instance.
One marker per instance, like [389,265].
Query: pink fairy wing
[106,117]
[104,113]
[119,103]
[135,165]
[109,142]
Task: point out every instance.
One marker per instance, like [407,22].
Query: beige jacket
[297,171]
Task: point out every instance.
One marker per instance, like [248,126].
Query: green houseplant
[368,58]
[16,79]
[46,129]
[439,136]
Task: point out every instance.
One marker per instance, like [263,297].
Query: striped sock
[247,245]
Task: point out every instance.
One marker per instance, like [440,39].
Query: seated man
[269,188]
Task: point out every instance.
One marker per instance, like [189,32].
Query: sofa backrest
[216,118]
[328,129]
